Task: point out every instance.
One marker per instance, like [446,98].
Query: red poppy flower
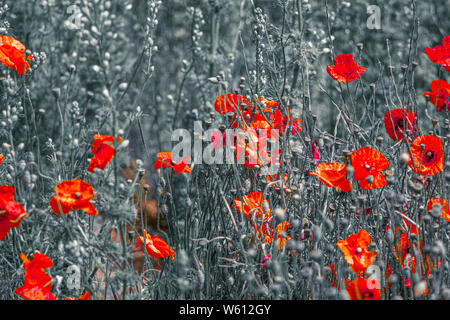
[11,54]
[364,289]
[333,175]
[165,161]
[401,121]
[11,212]
[261,126]
[355,250]
[251,149]
[1,158]
[38,283]
[345,69]
[230,102]
[440,54]
[445,210]
[429,161]
[73,194]
[252,205]
[439,95]
[155,246]
[369,162]
[103,152]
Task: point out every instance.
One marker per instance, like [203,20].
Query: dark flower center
[429,155]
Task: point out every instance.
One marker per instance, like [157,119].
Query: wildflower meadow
[224,150]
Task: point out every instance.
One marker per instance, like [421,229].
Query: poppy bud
[213,80]
[56,92]
[389,236]
[404,158]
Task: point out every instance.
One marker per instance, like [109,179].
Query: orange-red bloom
[280,234]
[445,210]
[355,250]
[402,120]
[253,205]
[73,194]
[11,54]
[165,161]
[345,69]
[440,54]
[439,94]
[155,246]
[103,152]
[369,162]
[230,102]
[38,283]
[428,161]
[333,175]
[364,289]
[1,158]
[11,212]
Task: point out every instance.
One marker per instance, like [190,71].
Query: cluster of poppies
[74,195]
[258,121]
[440,89]
[359,258]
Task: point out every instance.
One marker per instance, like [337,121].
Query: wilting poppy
[364,289]
[445,210]
[37,284]
[439,94]
[155,246]
[73,194]
[355,250]
[345,69]
[165,161]
[253,205]
[440,54]
[369,162]
[11,212]
[11,54]
[103,151]
[402,120]
[333,175]
[429,161]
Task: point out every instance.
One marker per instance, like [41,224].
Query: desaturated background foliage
[150,63]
